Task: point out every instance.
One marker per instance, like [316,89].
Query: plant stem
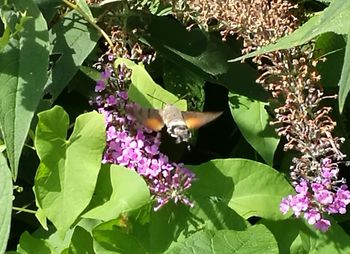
[92,22]
[23,210]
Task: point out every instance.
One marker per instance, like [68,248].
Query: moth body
[175,123]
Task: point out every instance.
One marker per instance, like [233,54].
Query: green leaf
[129,192]
[4,39]
[145,91]
[335,240]
[29,245]
[49,8]
[5,202]
[335,18]
[253,121]
[40,215]
[73,39]
[256,239]
[248,187]
[344,82]
[85,9]
[81,242]
[176,222]
[201,53]
[185,84]
[287,235]
[22,79]
[114,237]
[67,174]
[331,46]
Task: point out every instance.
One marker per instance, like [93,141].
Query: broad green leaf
[344,82]
[40,215]
[248,187]
[49,8]
[176,222]
[129,192]
[145,91]
[67,174]
[5,202]
[184,84]
[331,46]
[287,235]
[335,240]
[335,18]
[60,243]
[256,239]
[81,242]
[22,79]
[201,53]
[154,233]
[73,39]
[30,245]
[114,237]
[85,8]
[252,120]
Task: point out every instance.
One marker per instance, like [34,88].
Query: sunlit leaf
[29,245]
[248,187]
[145,91]
[22,79]
[335,18]
[128,192]
[252,120]
[73,40]
[66,177]
[6,197]
[256,239]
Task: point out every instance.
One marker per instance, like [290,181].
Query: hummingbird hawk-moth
[178,123]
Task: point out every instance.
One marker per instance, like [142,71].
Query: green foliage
[129,192]
[68,171]
[145,91]
[336,19]
[5,202]
[71,47]
[82,206]
[22,79]
[260,135]
[256,239]
[248,187]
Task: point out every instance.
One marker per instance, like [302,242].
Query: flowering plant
[83,83]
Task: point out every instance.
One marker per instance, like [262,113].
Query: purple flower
[318,196]
[312,216]
[136,147]
[323,225]
[324,197]
[302,187]
[100,86]
[106,74]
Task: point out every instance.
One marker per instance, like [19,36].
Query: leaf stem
[92,22]
[23,210]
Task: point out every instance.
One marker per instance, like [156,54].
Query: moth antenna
[157,99]
[181,98]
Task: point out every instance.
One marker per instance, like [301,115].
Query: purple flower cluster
[320,197]
[134,146]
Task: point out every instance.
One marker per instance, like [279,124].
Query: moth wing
[195,120]
[149,118]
